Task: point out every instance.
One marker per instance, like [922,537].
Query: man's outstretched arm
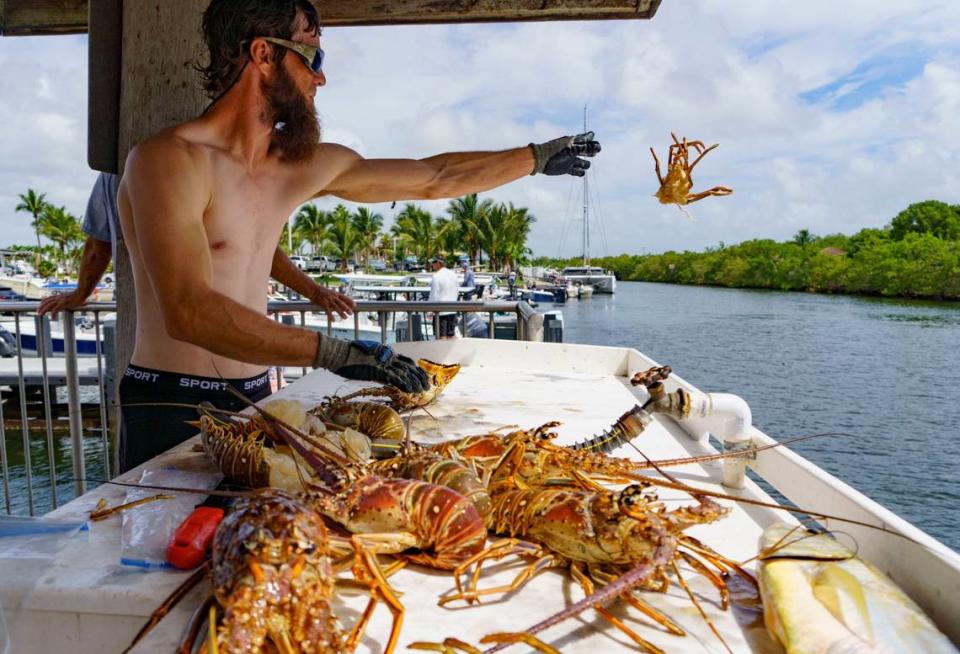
[452,174]
[440,176]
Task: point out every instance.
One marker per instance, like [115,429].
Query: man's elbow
[181,324]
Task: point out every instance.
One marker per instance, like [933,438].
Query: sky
[828,120]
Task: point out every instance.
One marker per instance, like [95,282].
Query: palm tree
[310,225]
[290,244]
[449,240]
[34,205]
[342,235]
[61,227]
[503,232]
[517,228]
[466,214]
[803,237]
[367,225]
[418,229]
[490,230]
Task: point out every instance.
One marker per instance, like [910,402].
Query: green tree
[449,241]
[929,217]
[502,234]
[418,230]
[866,239]
[310,225]
[367,225]
[466,214]
[61,227]
[290,244]
[517,225]
[34,204]
[343,237]
[804,237]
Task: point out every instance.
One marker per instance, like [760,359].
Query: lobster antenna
[686,213]
[696,603]
[750,451]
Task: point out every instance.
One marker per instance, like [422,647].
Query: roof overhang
[30,17]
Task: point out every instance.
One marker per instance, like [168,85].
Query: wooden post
[160,87]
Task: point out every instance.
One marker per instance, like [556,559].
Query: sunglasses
[312,55]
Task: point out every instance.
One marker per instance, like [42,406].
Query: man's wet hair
[230,25]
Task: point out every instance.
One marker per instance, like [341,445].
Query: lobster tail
[626,428]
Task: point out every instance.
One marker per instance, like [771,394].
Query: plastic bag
[35,538]
[28,547]
[147,529]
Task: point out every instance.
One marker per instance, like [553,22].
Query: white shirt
[444,287]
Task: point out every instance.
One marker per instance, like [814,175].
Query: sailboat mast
[586,223]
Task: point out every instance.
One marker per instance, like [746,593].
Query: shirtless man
[202,206]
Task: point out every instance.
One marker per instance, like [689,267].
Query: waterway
[886,371]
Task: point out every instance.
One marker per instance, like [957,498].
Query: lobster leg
[448,646]
[587,585]
[711,576]
[495,552]
[367,570]
[656,166]
[170,602]
[194,626]
[703,153]
[508,638]
[716,190]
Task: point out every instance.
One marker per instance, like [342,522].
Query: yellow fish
[819,598]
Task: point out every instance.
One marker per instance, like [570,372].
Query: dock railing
[42,374]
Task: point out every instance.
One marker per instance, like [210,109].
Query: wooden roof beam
[30,17]
[399,12]
[26,17]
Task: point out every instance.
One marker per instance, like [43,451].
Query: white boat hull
[82,601]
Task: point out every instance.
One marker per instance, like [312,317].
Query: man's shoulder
[335,154]
[163,147]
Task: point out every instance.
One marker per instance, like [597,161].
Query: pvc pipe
[738,438]
[732,423]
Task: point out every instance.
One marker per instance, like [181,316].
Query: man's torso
[243,222]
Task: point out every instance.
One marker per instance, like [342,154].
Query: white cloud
[724,72]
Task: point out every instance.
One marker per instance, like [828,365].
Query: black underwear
[151,430]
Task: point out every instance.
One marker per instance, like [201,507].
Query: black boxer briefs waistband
[164,380]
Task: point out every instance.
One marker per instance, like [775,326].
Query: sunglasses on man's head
[312,55]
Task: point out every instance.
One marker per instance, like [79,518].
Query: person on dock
[469,281]
[100,226]
[202,205]
[444,287]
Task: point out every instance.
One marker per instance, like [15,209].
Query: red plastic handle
[192,539]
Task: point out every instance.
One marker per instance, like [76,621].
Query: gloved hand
[370,361]
[561,156]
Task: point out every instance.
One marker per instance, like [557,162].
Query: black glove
[561,156]
[370,361]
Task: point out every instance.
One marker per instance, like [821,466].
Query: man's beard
[299,133]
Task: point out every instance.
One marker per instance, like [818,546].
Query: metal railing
[48,376]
